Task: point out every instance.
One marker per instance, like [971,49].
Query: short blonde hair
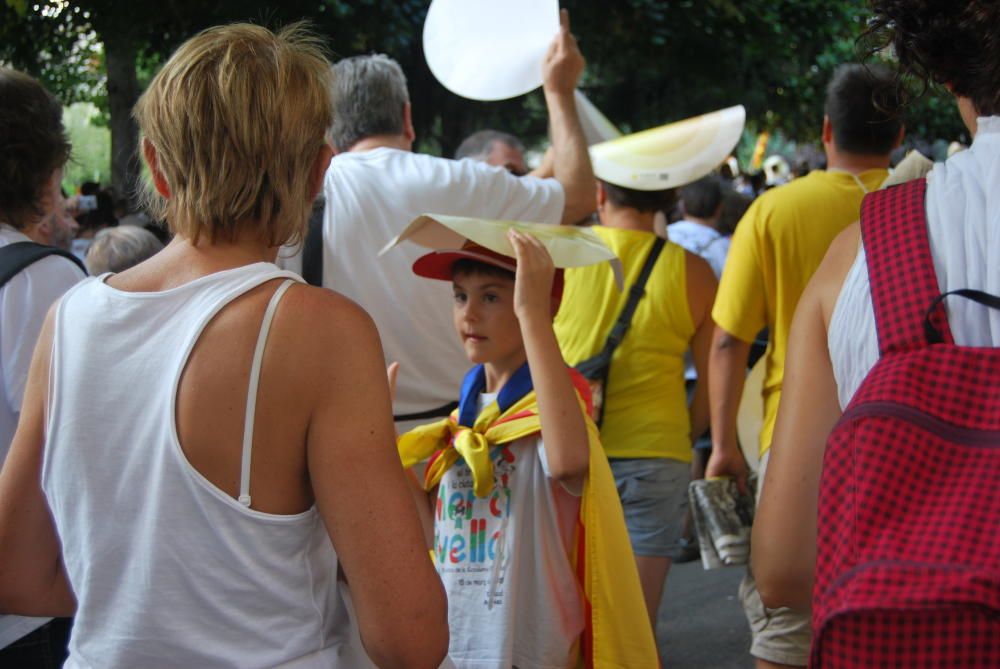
[237,117]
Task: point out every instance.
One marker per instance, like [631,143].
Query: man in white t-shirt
[34,145]
[376,185]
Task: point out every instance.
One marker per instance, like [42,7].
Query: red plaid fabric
[908,552]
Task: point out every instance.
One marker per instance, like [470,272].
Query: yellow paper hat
[671,155]
[569,246]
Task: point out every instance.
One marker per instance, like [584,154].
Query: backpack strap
[635,294]
[312,246]
[900,267]
[14,258]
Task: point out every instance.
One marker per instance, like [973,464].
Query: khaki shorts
[780,635]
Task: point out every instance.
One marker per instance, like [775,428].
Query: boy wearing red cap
[507,472]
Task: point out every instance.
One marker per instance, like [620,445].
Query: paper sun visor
[596,126]
[489,49]
[671,155]
[569,246]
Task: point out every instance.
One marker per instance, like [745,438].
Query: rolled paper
[596,126]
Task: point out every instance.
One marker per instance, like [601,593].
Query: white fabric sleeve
[24,302]
[494,192]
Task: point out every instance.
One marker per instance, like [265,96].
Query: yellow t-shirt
[776,248]
[645,405]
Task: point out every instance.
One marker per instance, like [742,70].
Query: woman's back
[963,221]
[165,562]
[190,515]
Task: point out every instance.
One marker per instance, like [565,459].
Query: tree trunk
[123,91]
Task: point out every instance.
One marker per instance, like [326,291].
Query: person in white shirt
[34,148]
[376,185]
[698,231]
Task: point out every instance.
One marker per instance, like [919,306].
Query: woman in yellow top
[648,427]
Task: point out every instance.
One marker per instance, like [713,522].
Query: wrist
[535,319]
[558,97]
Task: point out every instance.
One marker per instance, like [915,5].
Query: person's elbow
[571,470]
[782,587]
[418,640]
[577,207]
[579,200]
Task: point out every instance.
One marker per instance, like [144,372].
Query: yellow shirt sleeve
[741,304]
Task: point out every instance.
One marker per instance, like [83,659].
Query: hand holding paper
[563,63]
[533,279]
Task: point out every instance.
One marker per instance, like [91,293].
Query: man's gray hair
[479,145]
[369,94]
[117,249]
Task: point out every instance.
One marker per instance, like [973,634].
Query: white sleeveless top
[168,570]
[963,220]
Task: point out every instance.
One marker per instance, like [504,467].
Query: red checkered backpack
[908,551]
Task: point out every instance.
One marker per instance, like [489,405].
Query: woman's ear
[318,170]
[152,161]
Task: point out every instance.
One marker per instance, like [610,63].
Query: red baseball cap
[439,264]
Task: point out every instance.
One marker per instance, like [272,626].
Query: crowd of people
[202,451]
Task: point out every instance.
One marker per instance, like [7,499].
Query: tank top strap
[248,421]
[900,266]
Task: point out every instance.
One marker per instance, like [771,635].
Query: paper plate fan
[671,155]
[489,49]
[569,246]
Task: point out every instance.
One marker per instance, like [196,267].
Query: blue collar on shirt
[474,383]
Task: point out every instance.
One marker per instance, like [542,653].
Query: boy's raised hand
[533,280]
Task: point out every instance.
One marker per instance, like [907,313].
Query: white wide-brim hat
[671,155]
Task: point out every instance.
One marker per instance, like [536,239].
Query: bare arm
[567,445]
[546,170]
[727,369]
[32,577]
[701,285]
[784,532]
[361,490]
[570,157]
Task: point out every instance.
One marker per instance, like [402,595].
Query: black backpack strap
[14,258]
[312,246]
[621,326]
[932,331]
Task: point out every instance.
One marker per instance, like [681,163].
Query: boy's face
[483,313]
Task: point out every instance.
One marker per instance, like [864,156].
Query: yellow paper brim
[671,155]
[569,246]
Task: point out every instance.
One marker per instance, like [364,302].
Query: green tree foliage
[649,61]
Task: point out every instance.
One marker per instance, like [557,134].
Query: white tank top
[963,222]
[168,570]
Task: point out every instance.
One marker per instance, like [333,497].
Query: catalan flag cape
[617,633]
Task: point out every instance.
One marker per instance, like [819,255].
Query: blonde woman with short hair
[205,440]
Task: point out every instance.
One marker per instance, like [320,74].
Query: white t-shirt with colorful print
[513,599]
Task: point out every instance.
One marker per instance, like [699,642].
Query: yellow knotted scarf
[617,634]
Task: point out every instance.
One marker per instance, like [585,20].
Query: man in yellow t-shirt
[777,246]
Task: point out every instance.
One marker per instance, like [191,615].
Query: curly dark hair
[953,42]
[33,144]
